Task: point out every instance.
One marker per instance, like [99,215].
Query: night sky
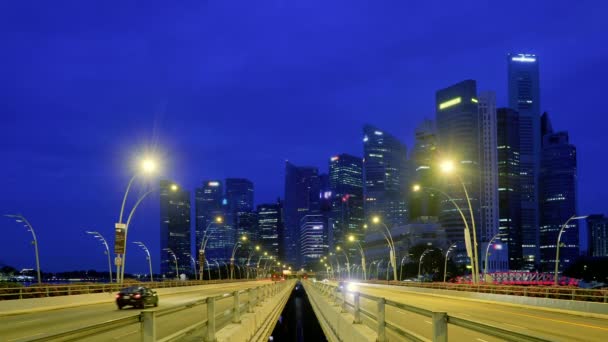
[234,88]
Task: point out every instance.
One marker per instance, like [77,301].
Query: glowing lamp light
[498,247]
[174,187]
[148,165]
[416,187]
[214,184]
[447,166]
[351,238]
[219,219]
[244,238]
[376,219]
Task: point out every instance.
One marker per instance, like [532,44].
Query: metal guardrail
[554,292]
[41,291]
[148,318]
[440,320]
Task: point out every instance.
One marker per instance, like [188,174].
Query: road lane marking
[25,337]
[481,340]
[517,326]
[429,322]
[555,320]
[129,333]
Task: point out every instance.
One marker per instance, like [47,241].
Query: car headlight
[352,287]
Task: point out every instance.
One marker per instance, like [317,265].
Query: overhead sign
[119,238]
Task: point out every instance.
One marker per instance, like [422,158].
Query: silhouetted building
[346,184]
[458,138]
[174,228]
[270,226]
[239,205]
[424,203]
[509,196]
[597,226]
[385,182]
[210,204]
[524,97]
[558,200]
[302,189]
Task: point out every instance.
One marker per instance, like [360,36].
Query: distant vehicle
[137,297]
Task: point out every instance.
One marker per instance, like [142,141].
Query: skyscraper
[239,198]
[209,205]
[174,228]
[509,198]
[346,184]
[302,189]
[488,163]
[424,203]
[597,226]
[558,200]
[524,97]
[458,140]
[270,226]
[313,239]
[385,181]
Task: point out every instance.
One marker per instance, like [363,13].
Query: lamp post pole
[559,236]
[485,267]
[148,257]
[445,265]
[204,241]
[168,250]
[107,251]
[21,219]
[391,245]
[420,263]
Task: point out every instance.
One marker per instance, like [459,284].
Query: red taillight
[118,296]
[137,296]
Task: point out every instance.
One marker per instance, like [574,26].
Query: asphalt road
[552,326]
[27,326]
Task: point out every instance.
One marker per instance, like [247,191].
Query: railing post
[210,320]
[440,327]
[380,320]
[236,313]
[357,308]
[148,326]
[250,302]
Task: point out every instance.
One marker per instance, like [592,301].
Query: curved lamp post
[257,267]
[390,242]
[168,250]
[352,238]
[219,269]
[559,236]
[234,249]
[107,251]
[148,257]
[420,262]
[445,265]
[485,267]
[193,264]
[251,252]
[204,241]
[20,219]
[339,249]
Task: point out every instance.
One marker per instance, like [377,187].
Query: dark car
[136,296]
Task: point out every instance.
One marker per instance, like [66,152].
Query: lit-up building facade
[210,204]
[270,226]
[313,240]
[174,229]
[597,227]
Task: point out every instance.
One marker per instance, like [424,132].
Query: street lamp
[204,240]
[448,167]
[339,249]
[445,265]
[193,264]
[251,252]
[257,267]
[148,257]
[485,267]
[559,236]
[148,166]
[20,219]
[168,250]
[107,251]
[401,267]
[420,262]
[352,238]
[236,246]
[390,242]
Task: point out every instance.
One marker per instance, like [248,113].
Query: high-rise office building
[597,227]
[210,204]
[385,182]
[458,141]
[509,198]
[302,189]
[424,203]
[270,226]
[313,240]
[239,205]
[524,97]
[174,229]
[488,167]
[558,200]
[346,184]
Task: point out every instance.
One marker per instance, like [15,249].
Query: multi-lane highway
[553,326]
[27,326]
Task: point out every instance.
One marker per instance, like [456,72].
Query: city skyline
[65,183]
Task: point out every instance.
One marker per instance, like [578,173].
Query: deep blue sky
[233,88]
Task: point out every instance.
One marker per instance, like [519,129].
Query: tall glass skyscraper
[346,184]
[524,97]
[302,189]
[385,179]
[174,228]
[597,226]
[558,200]
[270,226]
[424,204]
[239,198]
[209,201]
[509,197]
[313,240]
